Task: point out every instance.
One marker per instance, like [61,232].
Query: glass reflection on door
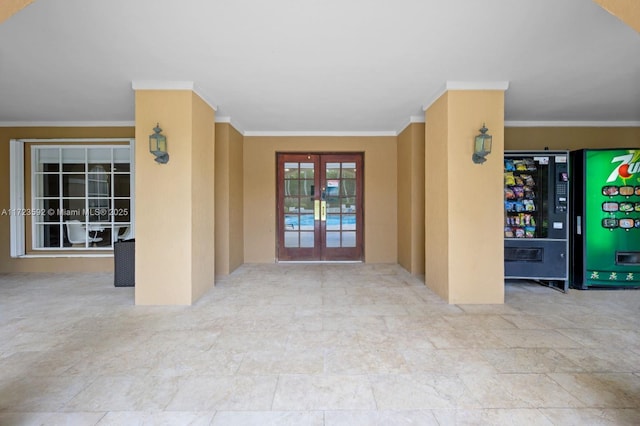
[299,193]
[340,196]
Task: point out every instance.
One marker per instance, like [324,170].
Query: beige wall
[464,259]
[380,177]
[411,198]
[54,264]
[476,200]
[570,138]
[418,202]
[202,197]
[163,200]
[174,201]
[222,198]
[437,197]
[229,199]
[236,200]
[404,199]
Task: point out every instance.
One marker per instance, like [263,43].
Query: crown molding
[221,119]
[229,121]
[319,133]
[465,85]
[516,123]
[434,97]
[477,85]
[161,85]
[412,119]
[67,124]
[171,85]
[213,105]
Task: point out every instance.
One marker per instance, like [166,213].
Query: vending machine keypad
[562,186]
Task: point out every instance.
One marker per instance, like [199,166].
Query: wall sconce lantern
[482,146]
[158,145]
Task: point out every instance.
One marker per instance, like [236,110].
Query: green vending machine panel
[606,218]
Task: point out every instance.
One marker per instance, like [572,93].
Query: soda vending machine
[536,216]
[605,247]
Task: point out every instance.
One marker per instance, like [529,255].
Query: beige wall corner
[628,11]
[411,198]
[437,198]
[463,237]
[174,201]
[229,199]
[417,206]
[203,198]
[222,198]
[8,8]
[236,199]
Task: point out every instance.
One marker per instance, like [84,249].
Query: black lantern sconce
[482,146]
[158,145]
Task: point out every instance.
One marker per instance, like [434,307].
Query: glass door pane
[342,189]
[297,196]
[525,197]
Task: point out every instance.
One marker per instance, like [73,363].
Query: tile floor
[315,345]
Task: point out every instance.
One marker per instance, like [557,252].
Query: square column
[229,199]
[464,245]
[175,241]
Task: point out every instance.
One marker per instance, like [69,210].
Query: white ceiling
[317,65]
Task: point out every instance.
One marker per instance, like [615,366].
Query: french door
[320,199]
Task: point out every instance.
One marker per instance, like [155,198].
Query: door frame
[319,253]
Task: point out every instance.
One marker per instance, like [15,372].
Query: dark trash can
[124,258]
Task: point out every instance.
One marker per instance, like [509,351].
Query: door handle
[323,211]
[316,210]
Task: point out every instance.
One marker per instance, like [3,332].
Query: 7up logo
[629,164]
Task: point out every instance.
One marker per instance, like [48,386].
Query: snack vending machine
[605,247]
[536,216]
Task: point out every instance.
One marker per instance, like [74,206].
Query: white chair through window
[77,234]
[127,234]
